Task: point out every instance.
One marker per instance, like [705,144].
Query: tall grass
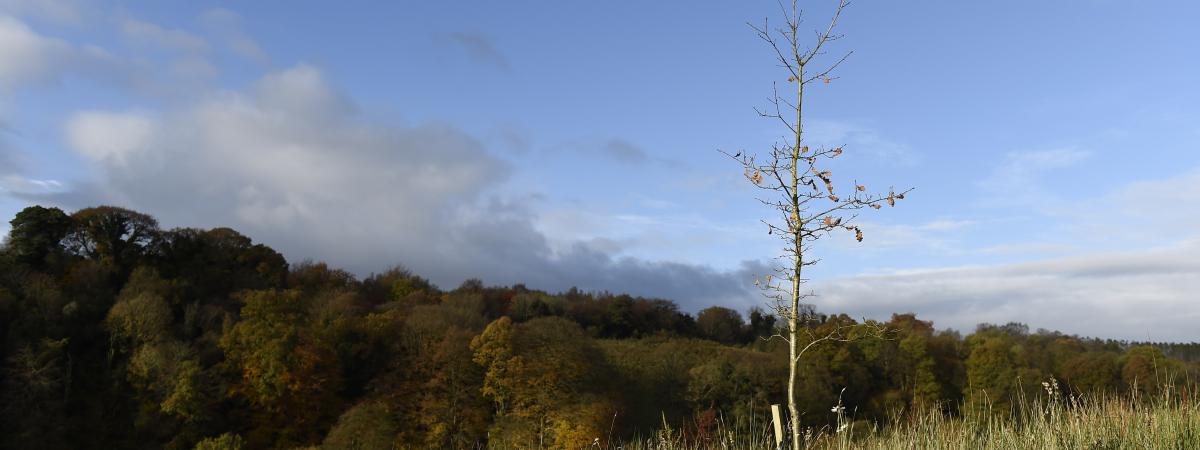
[1053,421]
[736,433]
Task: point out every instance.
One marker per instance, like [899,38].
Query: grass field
[1171,421]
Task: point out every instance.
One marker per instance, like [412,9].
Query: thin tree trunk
[786,175]
[793,413]
[797,266]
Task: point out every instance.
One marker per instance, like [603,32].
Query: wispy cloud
[479,47]
[940,236]
[511,137]
[11,161]
[59,11]
[226,25]
[1139,213]
[612,149]
[31,58]
[1018,179]
[18,184]
[859,138]
[149,34]
[624,151]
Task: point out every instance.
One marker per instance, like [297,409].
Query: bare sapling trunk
[801,190]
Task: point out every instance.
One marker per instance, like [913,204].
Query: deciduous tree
[800,185]
[109,232]
[288,376]
[37,233]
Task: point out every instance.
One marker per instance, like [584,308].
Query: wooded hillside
[115,333]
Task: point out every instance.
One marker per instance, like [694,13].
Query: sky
[1051,145]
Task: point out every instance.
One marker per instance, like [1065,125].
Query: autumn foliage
[115,333]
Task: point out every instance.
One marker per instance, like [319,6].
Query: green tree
[721,324]
[733,382]
[919,367]
[289,378]
[174,394]
[212,264]
[762,324]
[366,426]
[1145,369]
[1095,373]
[111,233]
[37,233]
[991,373]
[998,371]
[34,397]
[227,441]
[309,277]
[916,361]
[453,414]
[141,314]
[538,374]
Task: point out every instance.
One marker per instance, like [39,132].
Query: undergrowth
[1051,421]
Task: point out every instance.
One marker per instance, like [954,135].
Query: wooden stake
[777,419]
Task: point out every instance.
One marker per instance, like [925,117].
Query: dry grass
[1171,421]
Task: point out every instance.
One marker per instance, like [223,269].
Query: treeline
[117,334]
[1189,352]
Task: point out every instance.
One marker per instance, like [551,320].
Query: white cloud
[1138,214]
[30,58]
[193,68]
[27,57]
[1017,181]
[289,160]
[150,34]
[1164,206]
[1029,248]
[858,138]
[301,91]
[60,11]
[292,163]
[227,25]
[939,235]
[11,161]
[1137,280]
[1024,164]
[17,183]
[113,138]
[1132,295]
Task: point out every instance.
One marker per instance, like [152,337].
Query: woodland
[116,333]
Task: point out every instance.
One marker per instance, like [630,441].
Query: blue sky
[1051,144]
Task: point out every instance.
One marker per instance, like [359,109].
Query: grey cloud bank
[293,164]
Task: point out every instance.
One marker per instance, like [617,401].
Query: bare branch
[792,174]
[827,35]
[825,73]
